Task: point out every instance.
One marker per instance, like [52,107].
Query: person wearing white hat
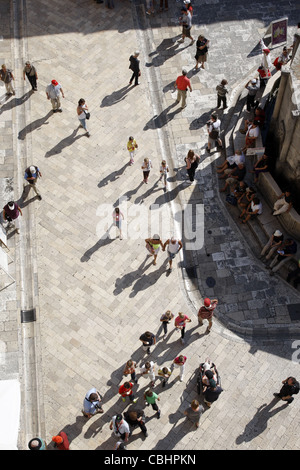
[272,245]
[252,86]
[32,173]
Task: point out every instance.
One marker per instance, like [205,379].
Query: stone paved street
[94,293]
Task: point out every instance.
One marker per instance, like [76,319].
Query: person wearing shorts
[174,246]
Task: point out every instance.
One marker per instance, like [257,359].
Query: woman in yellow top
[131,146]
[153,245]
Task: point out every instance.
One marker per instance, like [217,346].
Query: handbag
[214,134]
[231,199]
[87,115]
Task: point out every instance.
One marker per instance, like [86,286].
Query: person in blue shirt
[32,173]
[92,403]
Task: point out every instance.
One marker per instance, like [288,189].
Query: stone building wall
[285,123]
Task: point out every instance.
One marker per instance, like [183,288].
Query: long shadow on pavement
[66,142]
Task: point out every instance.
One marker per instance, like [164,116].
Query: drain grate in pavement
[210,281]
[28,316]
[294,311]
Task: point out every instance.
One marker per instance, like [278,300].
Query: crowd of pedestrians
[233,171]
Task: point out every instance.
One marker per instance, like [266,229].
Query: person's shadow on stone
[13,103]
[32,126]
[259,422]
[66,142]
[115,97]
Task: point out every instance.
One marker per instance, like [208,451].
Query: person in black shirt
[148,339]
[238,174]
[135,417]
[290,387]
[135,67]
[213,391]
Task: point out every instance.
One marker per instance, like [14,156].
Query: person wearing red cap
[206,312]
[53,92]
[61,441]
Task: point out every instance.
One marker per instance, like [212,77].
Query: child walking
[130,369]
[117,218]
[165,320]
[131,146]
[146,167]
[164,170]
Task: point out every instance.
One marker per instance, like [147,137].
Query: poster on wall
[279,31]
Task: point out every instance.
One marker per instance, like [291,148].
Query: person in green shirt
[151,398]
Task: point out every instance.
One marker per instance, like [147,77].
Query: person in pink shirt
[180,362]
[180,323]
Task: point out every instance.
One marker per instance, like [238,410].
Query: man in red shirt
[182,84]
[206,312]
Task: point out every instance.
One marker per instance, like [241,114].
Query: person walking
[252,86]
[30,72]
[194,412]
[148,369]
[221,93]
[165,321]
[179,362]
[202,46]
[186,22]
[192,161]
[131,147]
[214,129]
[173,247]
[182,83]
[290,387]
[125,390]
[118,216]
[206,312]
[148,339]
[7,77]
[135,67]
[11,213]
[146,167]
[153,245]
[83,115]
[165,373]
[32,173]
[136,417]
[180,322]
[130,368]
[151,398]
[213,391]
[61,441]
[120,427]
[92,403]
[164,170]
[53,92]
